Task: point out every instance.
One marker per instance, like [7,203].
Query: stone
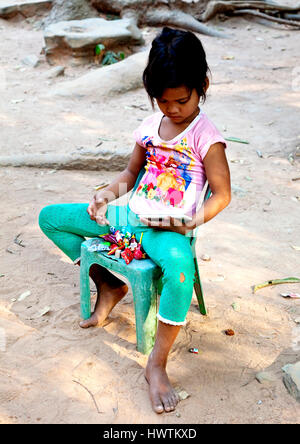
[291,379]
[78,38]
[106,81]
[31,60]
[107,160]
[55,72]
[9,9]
[265,377]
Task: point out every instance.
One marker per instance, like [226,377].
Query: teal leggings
[67,225]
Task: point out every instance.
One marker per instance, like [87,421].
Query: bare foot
[106,301]
[162,395]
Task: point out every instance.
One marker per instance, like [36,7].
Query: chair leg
[198,290]
[85,295]
[145,305]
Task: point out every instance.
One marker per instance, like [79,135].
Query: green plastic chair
[145,279]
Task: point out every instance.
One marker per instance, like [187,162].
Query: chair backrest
[206,197]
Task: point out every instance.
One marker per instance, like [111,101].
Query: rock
[108,160]
[113,79]
[55,72]
[78,38]
[291,379]
[238,190]
[31,60]
[265,377]
[9,9]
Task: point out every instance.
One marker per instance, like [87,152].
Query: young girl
[181,149]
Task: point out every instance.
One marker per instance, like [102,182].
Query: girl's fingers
[145,221]
[101,220]
[164,224]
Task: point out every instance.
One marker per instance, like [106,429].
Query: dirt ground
[49,366]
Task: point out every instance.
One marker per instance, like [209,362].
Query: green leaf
[290,280]
[236,139]
[99,48]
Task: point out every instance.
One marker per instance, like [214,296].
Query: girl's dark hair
[176,58]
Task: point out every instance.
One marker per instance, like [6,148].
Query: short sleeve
[207,135]
[137,135]
[146,129]
[212,141]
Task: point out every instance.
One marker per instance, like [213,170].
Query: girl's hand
[169,224]
[97,210]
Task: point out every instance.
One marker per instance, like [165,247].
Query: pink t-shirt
[175,174]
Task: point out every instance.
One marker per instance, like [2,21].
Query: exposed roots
[179,19]
[159,13]
[264,9]
[259,14]
[178,13]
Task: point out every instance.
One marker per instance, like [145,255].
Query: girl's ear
[206,84]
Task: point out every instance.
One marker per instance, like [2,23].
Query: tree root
[179,19]
[222,7]
[267,17]
[155,13]
[112,161]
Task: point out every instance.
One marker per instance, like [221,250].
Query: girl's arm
[126,179]
[218,176]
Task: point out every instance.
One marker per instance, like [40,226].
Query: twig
[19,241]
[91,394]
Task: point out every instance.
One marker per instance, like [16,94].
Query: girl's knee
[180,266]
[45,216]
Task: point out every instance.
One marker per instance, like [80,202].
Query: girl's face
[180,104]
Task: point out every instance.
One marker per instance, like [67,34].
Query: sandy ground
[47,363]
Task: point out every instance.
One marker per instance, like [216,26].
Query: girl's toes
[90,322]
[167,405]
[173,402]
[157,405]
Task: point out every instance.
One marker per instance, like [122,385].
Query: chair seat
[119,265]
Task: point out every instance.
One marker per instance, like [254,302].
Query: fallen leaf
[183,395]
[236,139]
[290,295]
[295,247]
[44,311]
[229,332]
[235,306]
[291,280]
[24,295]
[100,186]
